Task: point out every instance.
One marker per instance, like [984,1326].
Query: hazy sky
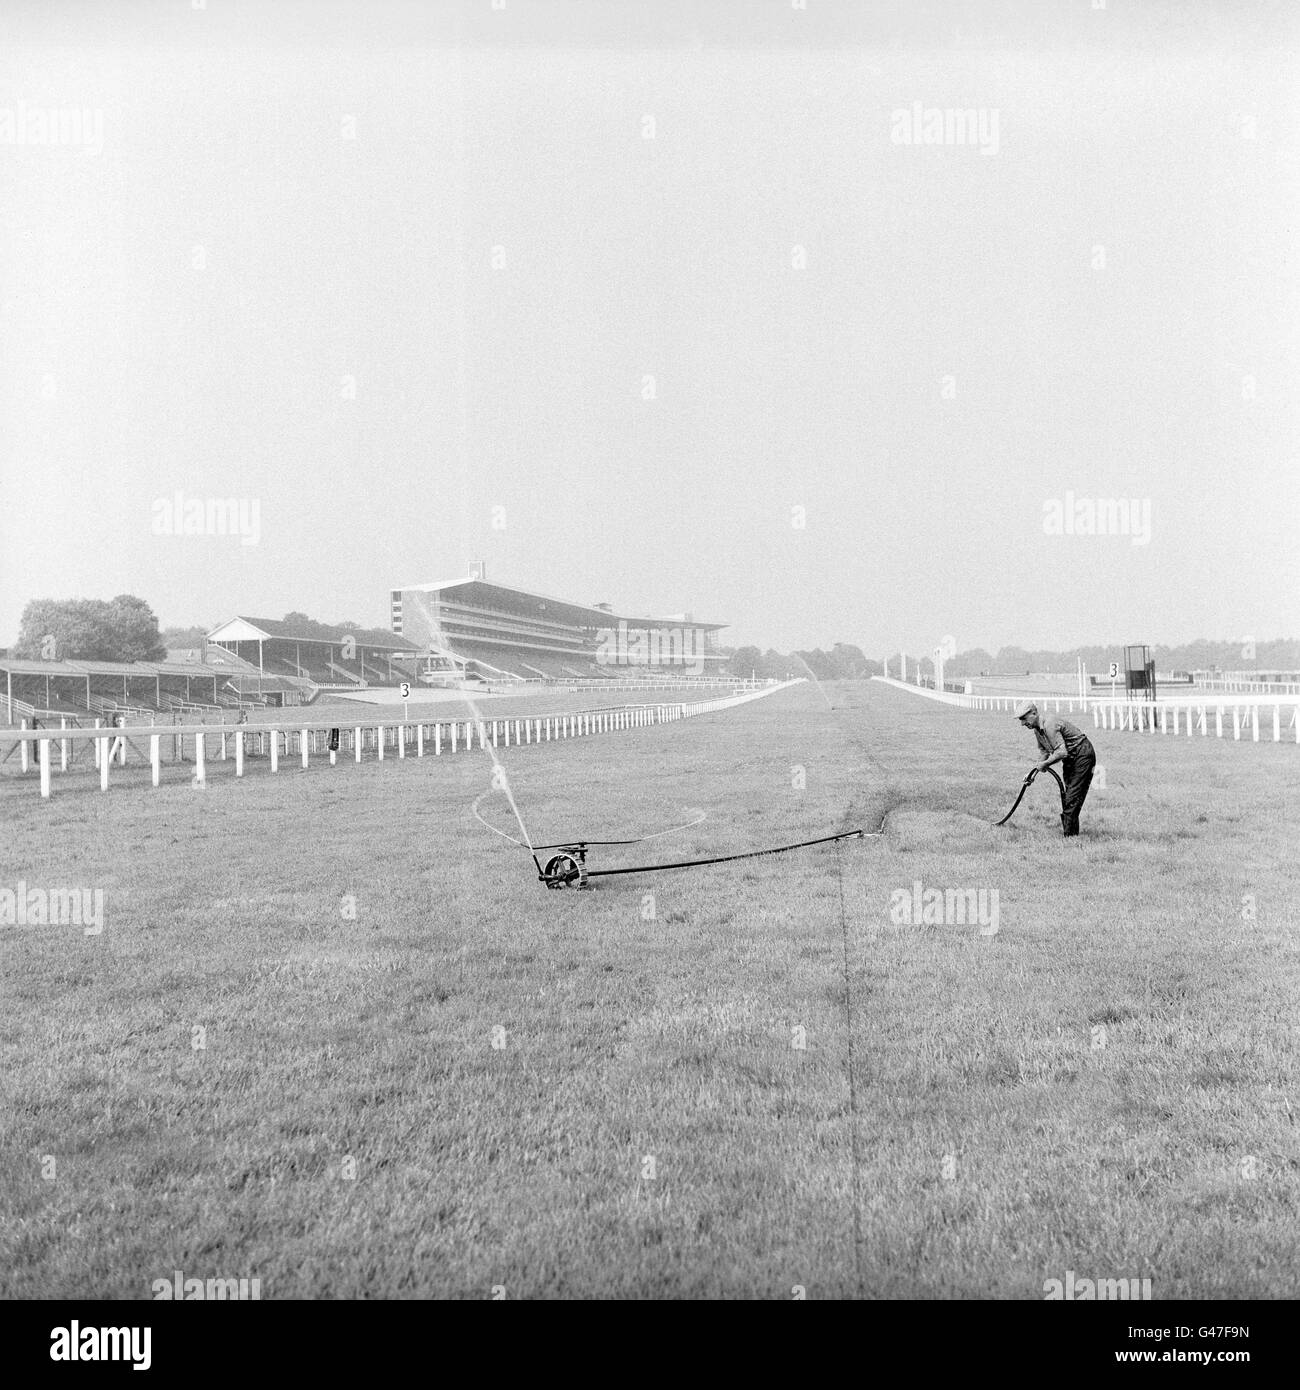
[397,275]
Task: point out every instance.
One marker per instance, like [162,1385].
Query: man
[1061,742]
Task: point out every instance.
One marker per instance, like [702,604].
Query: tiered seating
[507,660]
[347,672]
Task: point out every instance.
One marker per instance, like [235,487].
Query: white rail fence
[1242,714]
[381,738]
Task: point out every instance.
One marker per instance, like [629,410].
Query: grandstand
[499,632]
[74,690]
[267,655]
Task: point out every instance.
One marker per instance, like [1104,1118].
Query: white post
[22,747]
[45,767]
[63,748]
[275,751]
[419,740]
[222,754]
[357,744]
[104,746]
[401,741]
[239,752]
[437,740]
[155,758]
[200,767]
[306,740]
[379,736]
[494,733]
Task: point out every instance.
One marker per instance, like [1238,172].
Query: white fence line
[1280,713]
[287,738]
[1280,716]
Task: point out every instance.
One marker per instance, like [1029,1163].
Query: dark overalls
[1076,770]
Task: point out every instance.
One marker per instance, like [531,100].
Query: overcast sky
[666,305]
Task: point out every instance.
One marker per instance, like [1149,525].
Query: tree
[744,661]
[88,629]
[132,630]
[183,637]
[850,662]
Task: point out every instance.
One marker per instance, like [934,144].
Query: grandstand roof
[19,667]
[561,610]
[241,629]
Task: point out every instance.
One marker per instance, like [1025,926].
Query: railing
[241,741]
[1164,715]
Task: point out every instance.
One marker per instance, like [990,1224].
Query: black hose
[1024,787]
[720,859]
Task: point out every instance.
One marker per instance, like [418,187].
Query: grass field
[421,1074]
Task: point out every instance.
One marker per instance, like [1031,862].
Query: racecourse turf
[335,1036]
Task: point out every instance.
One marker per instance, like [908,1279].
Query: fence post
[103,745]
[200,753]
[23,755]
[45,767]
[275,751]
[419,740]
[437,740]
[63,748]
[306,740]
[379,738]
[239,752]
[154,759]
[356,744]
[401,740]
